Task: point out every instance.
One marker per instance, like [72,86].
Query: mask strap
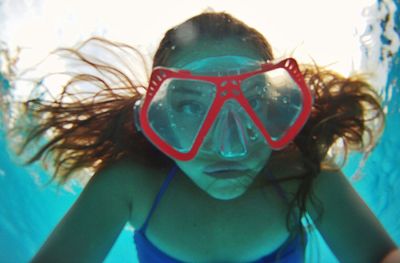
[219,64]
[136,114]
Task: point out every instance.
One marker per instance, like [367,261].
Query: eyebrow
[186,91]
[253,83]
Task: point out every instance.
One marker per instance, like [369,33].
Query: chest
[190,226]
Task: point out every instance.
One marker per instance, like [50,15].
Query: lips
[225,169]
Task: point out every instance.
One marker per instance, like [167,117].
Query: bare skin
[191,222]
[204,219]
[124,191]
[192,226]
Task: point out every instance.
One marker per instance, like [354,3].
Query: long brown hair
[93,133]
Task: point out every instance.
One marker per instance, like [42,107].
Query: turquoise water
[29,213]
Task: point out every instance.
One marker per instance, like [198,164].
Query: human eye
[256,103]
[256,95]
[190,108]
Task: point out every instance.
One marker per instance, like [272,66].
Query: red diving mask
[233,101]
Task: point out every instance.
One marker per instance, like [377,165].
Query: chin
[226,195]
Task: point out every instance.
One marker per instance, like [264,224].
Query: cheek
[189,168]
[261,158]
[262,151]
[194,175]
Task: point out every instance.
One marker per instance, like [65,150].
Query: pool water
[28,213]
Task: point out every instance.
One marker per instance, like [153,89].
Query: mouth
[226,170]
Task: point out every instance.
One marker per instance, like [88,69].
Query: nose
[230,134]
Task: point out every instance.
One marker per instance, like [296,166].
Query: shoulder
[125,177]
[90,227]
[133,181]
[348,226]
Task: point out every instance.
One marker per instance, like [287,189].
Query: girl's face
[222,177]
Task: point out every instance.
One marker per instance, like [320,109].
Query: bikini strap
[164,187]
[277,187]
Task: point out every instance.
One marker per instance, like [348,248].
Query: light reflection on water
[29,213]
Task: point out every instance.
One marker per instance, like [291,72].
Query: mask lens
[178,110]
[275,98]
[232,131]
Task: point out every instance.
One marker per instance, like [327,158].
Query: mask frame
[228,87]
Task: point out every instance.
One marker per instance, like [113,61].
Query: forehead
[212,48]
[222,65]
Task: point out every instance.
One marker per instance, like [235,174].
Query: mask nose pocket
[232,131]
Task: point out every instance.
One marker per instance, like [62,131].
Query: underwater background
[28,213]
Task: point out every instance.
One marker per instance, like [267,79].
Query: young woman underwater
[218,161]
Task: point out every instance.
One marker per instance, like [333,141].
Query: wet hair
[214,26]
[94,133]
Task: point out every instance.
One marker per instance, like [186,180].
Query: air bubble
[173,47]
[253,136]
